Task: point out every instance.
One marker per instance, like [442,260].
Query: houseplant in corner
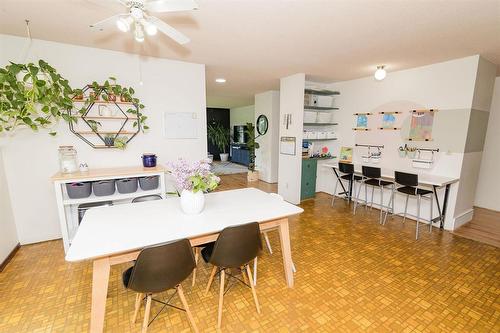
[253,175]
[192,180]
[219,136]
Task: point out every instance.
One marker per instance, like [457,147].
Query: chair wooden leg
[268,243]
[138,301]
[211,279]
[146,314]
[186,307]
[252,286]
[221,297]
[196,258]
[255,271]
[243,275]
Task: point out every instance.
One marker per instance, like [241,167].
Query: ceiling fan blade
[106,22]
[168,30]
[161,6]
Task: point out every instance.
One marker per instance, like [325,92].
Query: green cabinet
[308,179]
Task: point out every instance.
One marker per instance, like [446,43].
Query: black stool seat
[411,190]
[349,177]
[377,182]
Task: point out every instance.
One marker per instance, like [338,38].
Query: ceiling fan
[138,19]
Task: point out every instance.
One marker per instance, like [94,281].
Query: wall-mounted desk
[116,234]
[424,179]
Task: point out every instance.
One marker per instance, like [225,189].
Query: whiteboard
[180,125]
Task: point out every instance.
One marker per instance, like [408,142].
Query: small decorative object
[104,111]
[84,167]
[219,136]
[109,140]
[124,98]
[375,157]
[346,154]
[78,96]
[94,96]
[192,180]
[121,142]
[68,160]
[402,151]
[148,160]
[411,151]
[252,174]
[262,124]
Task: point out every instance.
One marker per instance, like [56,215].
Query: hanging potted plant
[219,136]
[192,180]
[253,175]
[33,96]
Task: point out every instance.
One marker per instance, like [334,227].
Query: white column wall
[267,156]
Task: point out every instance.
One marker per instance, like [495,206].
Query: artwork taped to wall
[345,154]
[388,120]
[287,145]
[421,125]
[362,121]
[180,125]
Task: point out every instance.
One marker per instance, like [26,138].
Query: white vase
[192,203]
[224,157]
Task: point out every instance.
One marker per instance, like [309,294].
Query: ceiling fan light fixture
[139,34]
[150,28]
[380,73]
[123,24]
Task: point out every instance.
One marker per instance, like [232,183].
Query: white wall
[8,234]
[266,157]
[241,116]
[290,166]
[31,158]
[448,87]
[488,187]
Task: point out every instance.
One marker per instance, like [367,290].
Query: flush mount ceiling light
[220,80]
[139,19]
[380,73]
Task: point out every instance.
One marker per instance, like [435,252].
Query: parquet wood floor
[484,227]
[353,276]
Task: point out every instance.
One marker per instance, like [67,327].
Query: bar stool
[347,171]
[409,182]
[372,177]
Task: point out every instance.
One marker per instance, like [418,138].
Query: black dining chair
[147,198]
[235,248]
[157,269]
[409,187]
[346,172]
[372,177]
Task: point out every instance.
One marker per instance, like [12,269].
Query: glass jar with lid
[68,159]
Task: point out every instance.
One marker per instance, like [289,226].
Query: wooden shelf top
[104,132]
[101,101]
[118,172]
[107,118]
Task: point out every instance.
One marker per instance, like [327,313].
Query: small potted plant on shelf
[121,142]
[252,145]
[109,140]
[219,136]
[192,180]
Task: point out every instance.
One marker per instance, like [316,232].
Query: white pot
[224,157]
[192,203]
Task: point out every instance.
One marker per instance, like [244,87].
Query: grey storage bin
[149,183]
[104,187]
[126,185]
[79,190]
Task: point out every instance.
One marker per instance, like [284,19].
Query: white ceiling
[252,43]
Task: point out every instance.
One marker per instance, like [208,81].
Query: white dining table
[115,234]
[424,179]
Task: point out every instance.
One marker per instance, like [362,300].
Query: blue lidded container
[149,160]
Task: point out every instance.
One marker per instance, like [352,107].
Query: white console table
[68,208]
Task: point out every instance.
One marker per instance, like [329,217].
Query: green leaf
[53,133]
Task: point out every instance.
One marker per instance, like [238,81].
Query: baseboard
[463,218]
[9,257]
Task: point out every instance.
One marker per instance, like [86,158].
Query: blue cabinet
[308,178]
[240,154]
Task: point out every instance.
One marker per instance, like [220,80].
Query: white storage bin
[322,135]
[309,117]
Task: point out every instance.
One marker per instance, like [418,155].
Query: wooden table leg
[100,279]
[286,250]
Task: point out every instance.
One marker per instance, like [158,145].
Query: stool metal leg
[406,207]
[418,216]
[381,204]
[391,202]
[335,191]
[357,198]
[430,221]
[366,196]
[371,204]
